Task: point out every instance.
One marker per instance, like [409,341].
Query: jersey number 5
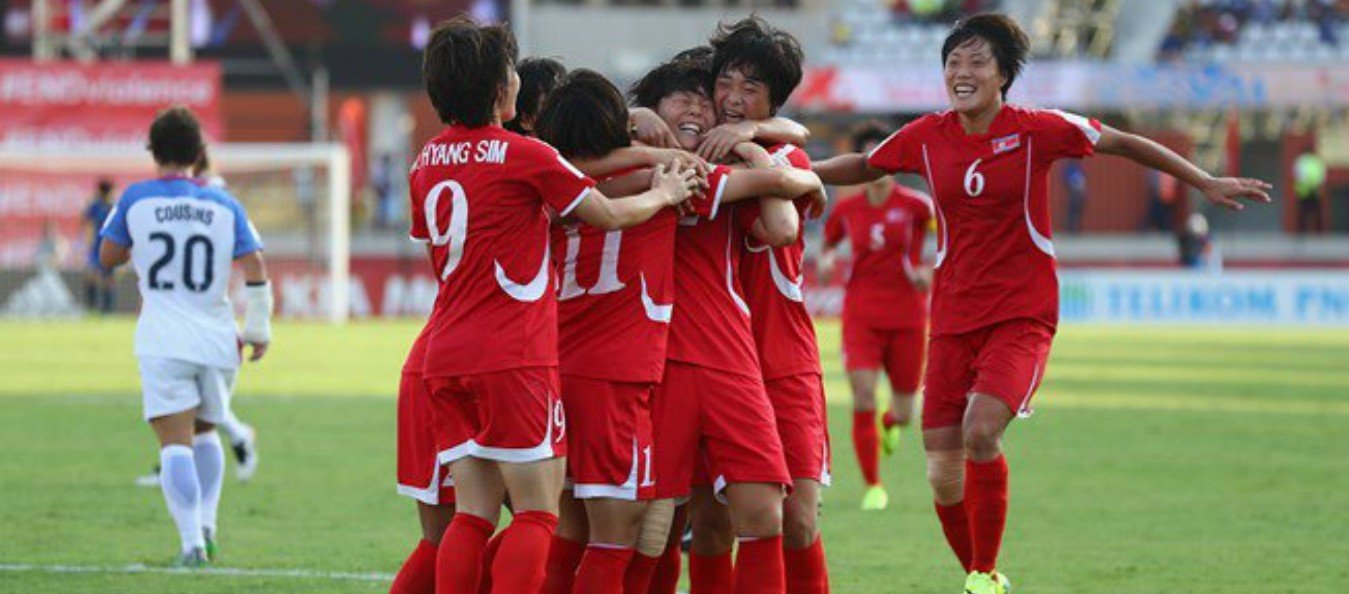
[195,244]
[974,181]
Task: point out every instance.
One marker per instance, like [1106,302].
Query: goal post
[298,195]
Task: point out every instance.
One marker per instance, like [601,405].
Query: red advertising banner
[68,104]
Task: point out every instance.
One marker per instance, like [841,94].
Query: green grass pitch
[1160,460]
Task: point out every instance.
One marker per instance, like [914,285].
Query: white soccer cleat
[149,480]
[246,454]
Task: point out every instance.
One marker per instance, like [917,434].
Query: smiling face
[689,114]
[973,80]
[740,96]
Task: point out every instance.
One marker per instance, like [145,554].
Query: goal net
[297,195]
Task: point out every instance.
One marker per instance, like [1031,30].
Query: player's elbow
[780,232]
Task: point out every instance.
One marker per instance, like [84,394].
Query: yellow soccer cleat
[985,583]
[1003,582]
[889,440]
[875,498]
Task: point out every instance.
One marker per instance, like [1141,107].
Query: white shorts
[171,386]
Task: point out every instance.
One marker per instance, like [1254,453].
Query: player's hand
[753,154]
[819,201]
[824,267]
[719,141]
[676,183]
[651,130]
[1229,191]
[259,349]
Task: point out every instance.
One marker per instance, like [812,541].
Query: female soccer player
[182,237]
[885,307]
[995,293]
[538,78]
[479,193]
[616,303]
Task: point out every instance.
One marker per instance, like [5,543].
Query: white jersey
[183,236]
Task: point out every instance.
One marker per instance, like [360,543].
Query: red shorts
[898,350]
[609,446]
[421,439]
[1006,360]
[703,415]
[513,415]
[798,405]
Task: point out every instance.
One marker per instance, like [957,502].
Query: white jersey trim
[535,288]
[626,491]
[730,272]
[716,196]
[943,235]
[576,202]
[1041,242]
[656,312]
[1083,124]
[791,289]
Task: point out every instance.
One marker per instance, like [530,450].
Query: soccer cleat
[1004,582]
[875,498]
[149,480]
[246,453]
[195,558]
[985,583]
[212,549]
[889,439]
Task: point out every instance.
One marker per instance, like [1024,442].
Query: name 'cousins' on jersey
[187,235]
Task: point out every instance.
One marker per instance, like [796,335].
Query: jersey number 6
[974,181]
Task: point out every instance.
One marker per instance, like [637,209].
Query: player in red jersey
[756,68]
[884,309]
[479,194]
[995,293]
[615,305]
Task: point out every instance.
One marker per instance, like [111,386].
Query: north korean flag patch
[1006,143]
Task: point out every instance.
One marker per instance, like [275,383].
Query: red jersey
[783,331]
[617,293]
[478,198]
[887,247]
[995,260]
[711,327]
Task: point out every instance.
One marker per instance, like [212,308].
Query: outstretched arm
[633,157]
[668,188]
[847,170]
[720,141]
[1224,191]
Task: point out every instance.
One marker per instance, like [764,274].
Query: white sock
[236,429]
[210,458]
[178,479]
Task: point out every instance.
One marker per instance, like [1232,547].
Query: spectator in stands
[386,199]
[1075,180]
[1309,183]
[98,283]
[1196,245]
[1163,192]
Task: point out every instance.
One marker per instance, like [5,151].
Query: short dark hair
[538,78]
[584,116]
[1004,36]
[870,131]
[757,49]
[465,67]
[104,187]
[175,137]
[688,71]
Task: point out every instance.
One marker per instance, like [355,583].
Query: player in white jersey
[242,436]
[182,236]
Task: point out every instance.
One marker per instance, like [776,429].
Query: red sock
[489,556]
[806,570]
[666,577]
[459,558]
[758,567]
[602,569]
[564,556]
[418,574]
[889,419]
[711,574]
[637,578]
[522,561]
[986,497]
[955,524]
[867,444]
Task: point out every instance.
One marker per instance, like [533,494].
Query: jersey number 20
[195,244]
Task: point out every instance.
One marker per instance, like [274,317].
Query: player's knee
[946,475]
[713,532]
[758,519]
[983,439]
[800,524]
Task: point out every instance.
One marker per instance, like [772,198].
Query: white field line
[302,574]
